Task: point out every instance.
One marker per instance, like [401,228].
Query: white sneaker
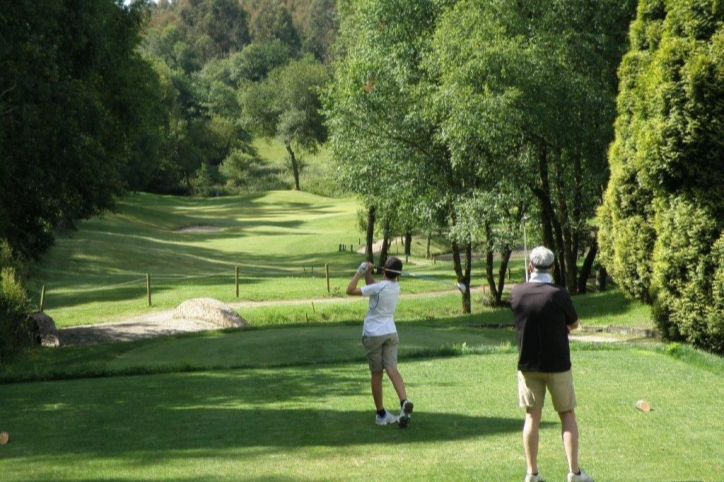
[582,477]
[386,419]
[533,478]
[405,413]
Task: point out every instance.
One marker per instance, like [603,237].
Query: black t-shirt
[542,313]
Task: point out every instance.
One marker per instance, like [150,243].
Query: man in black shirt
[544,315]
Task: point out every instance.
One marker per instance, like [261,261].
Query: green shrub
[248,173]
[715,309]
[14,306]
[684,270]
[204,183]
[666,171]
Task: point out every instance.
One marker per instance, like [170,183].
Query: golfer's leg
[569,433]
[531,438]
[376,385]
[397,382]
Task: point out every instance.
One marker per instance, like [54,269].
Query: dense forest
[232,71]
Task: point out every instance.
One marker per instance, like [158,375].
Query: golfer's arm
[352,288]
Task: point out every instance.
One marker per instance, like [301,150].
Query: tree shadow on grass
[205,430]
[198,414]
[246,477]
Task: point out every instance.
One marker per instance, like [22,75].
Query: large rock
[211,311]
[43,330]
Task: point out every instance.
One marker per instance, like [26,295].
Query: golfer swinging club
[379,336]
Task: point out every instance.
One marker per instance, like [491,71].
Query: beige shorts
[381,351]
[532,390]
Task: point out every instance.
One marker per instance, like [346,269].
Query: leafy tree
[662,220]
[14,306]
[527,93]
[169,45]
[382,134]
[322,29]
[287,105]
[273,21]
[77,114]
[215,28]
[257,59]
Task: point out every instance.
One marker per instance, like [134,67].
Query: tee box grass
[315,423]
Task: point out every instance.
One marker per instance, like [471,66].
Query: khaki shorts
[532,390]
[381,351]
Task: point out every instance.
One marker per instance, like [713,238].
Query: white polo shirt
[379,319]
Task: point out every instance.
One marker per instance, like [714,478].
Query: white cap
[542,258]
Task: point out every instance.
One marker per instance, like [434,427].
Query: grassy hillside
[276,239]
[316,174]
[280,241]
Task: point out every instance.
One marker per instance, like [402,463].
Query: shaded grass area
[271,346]
[315,423]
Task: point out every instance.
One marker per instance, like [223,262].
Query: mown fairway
[280,241]
[288,400]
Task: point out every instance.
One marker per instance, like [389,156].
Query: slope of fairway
[280,242]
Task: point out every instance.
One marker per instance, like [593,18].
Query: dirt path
[163,323]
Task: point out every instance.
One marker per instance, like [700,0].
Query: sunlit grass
[315,422]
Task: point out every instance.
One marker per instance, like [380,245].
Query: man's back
[542,313]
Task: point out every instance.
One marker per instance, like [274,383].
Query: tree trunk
[408,243]
[295,165]
[504,260]
[552,229]
[463,273]
[370,235]
[429,240]
[568,246]
[496,289]
[386,243]
[587,267]
[601,276]
[489,259]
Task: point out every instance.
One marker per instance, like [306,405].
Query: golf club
[459,286]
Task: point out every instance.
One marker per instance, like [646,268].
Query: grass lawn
[288,399]
[281,242]
[315,422]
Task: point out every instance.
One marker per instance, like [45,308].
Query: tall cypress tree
[663,214]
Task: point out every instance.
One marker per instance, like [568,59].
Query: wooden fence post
[326,272]
[148,288]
